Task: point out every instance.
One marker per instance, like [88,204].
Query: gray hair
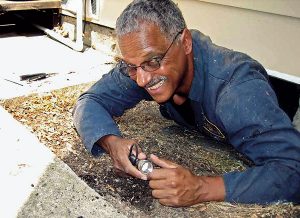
[163,13]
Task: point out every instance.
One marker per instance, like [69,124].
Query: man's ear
[187,41]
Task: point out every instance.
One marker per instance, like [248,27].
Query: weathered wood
[6,5]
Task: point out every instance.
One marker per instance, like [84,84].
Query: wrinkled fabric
[231,101]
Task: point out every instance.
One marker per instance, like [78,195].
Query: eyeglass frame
[125,68]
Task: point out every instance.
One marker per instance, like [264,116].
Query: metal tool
[145,166]
[36,76]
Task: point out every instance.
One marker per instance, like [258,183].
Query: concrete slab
[36,184]
[29,54]
[23,160]
[33,182]
[60,193]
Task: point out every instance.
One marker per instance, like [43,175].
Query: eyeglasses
[149,66]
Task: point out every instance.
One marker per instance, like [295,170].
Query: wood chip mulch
[49,117]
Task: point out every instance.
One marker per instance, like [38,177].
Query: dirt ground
[48,116]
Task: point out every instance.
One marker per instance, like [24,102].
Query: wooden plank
[284,76]
[6,5]
[290,8]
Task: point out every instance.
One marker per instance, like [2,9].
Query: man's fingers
[161,175]
[162,162]
[166,197]
[133,171]
[166,202]
[137,151]
[142,156]
[159,183]
[161,194]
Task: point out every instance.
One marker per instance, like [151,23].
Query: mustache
[156,80]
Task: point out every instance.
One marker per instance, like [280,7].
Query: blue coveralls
[232,101]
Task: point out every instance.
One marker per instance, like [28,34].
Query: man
[222,93]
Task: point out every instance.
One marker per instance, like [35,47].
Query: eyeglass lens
[148,66]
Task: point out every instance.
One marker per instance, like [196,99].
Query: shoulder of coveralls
[222,68]
[223,63]
[233,67]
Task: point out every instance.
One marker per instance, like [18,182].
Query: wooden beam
[6,5]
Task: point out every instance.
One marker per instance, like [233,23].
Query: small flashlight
[144,166]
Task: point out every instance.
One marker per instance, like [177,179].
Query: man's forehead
[136,57]
[144,44]
[148,33]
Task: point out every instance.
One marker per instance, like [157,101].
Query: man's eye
[154,62]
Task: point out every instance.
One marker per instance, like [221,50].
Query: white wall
[267,30]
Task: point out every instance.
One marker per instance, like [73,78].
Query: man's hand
[176,186]
[118,149]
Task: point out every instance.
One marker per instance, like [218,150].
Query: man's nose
[142,77]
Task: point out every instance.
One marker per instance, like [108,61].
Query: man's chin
[162,96]
[160,99]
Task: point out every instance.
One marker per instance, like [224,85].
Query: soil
[49,117]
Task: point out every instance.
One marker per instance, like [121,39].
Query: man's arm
[93,112]
[258,128]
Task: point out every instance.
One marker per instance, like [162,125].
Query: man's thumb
[162,162]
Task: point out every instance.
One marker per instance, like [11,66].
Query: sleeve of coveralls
[94,110]
[258,128]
